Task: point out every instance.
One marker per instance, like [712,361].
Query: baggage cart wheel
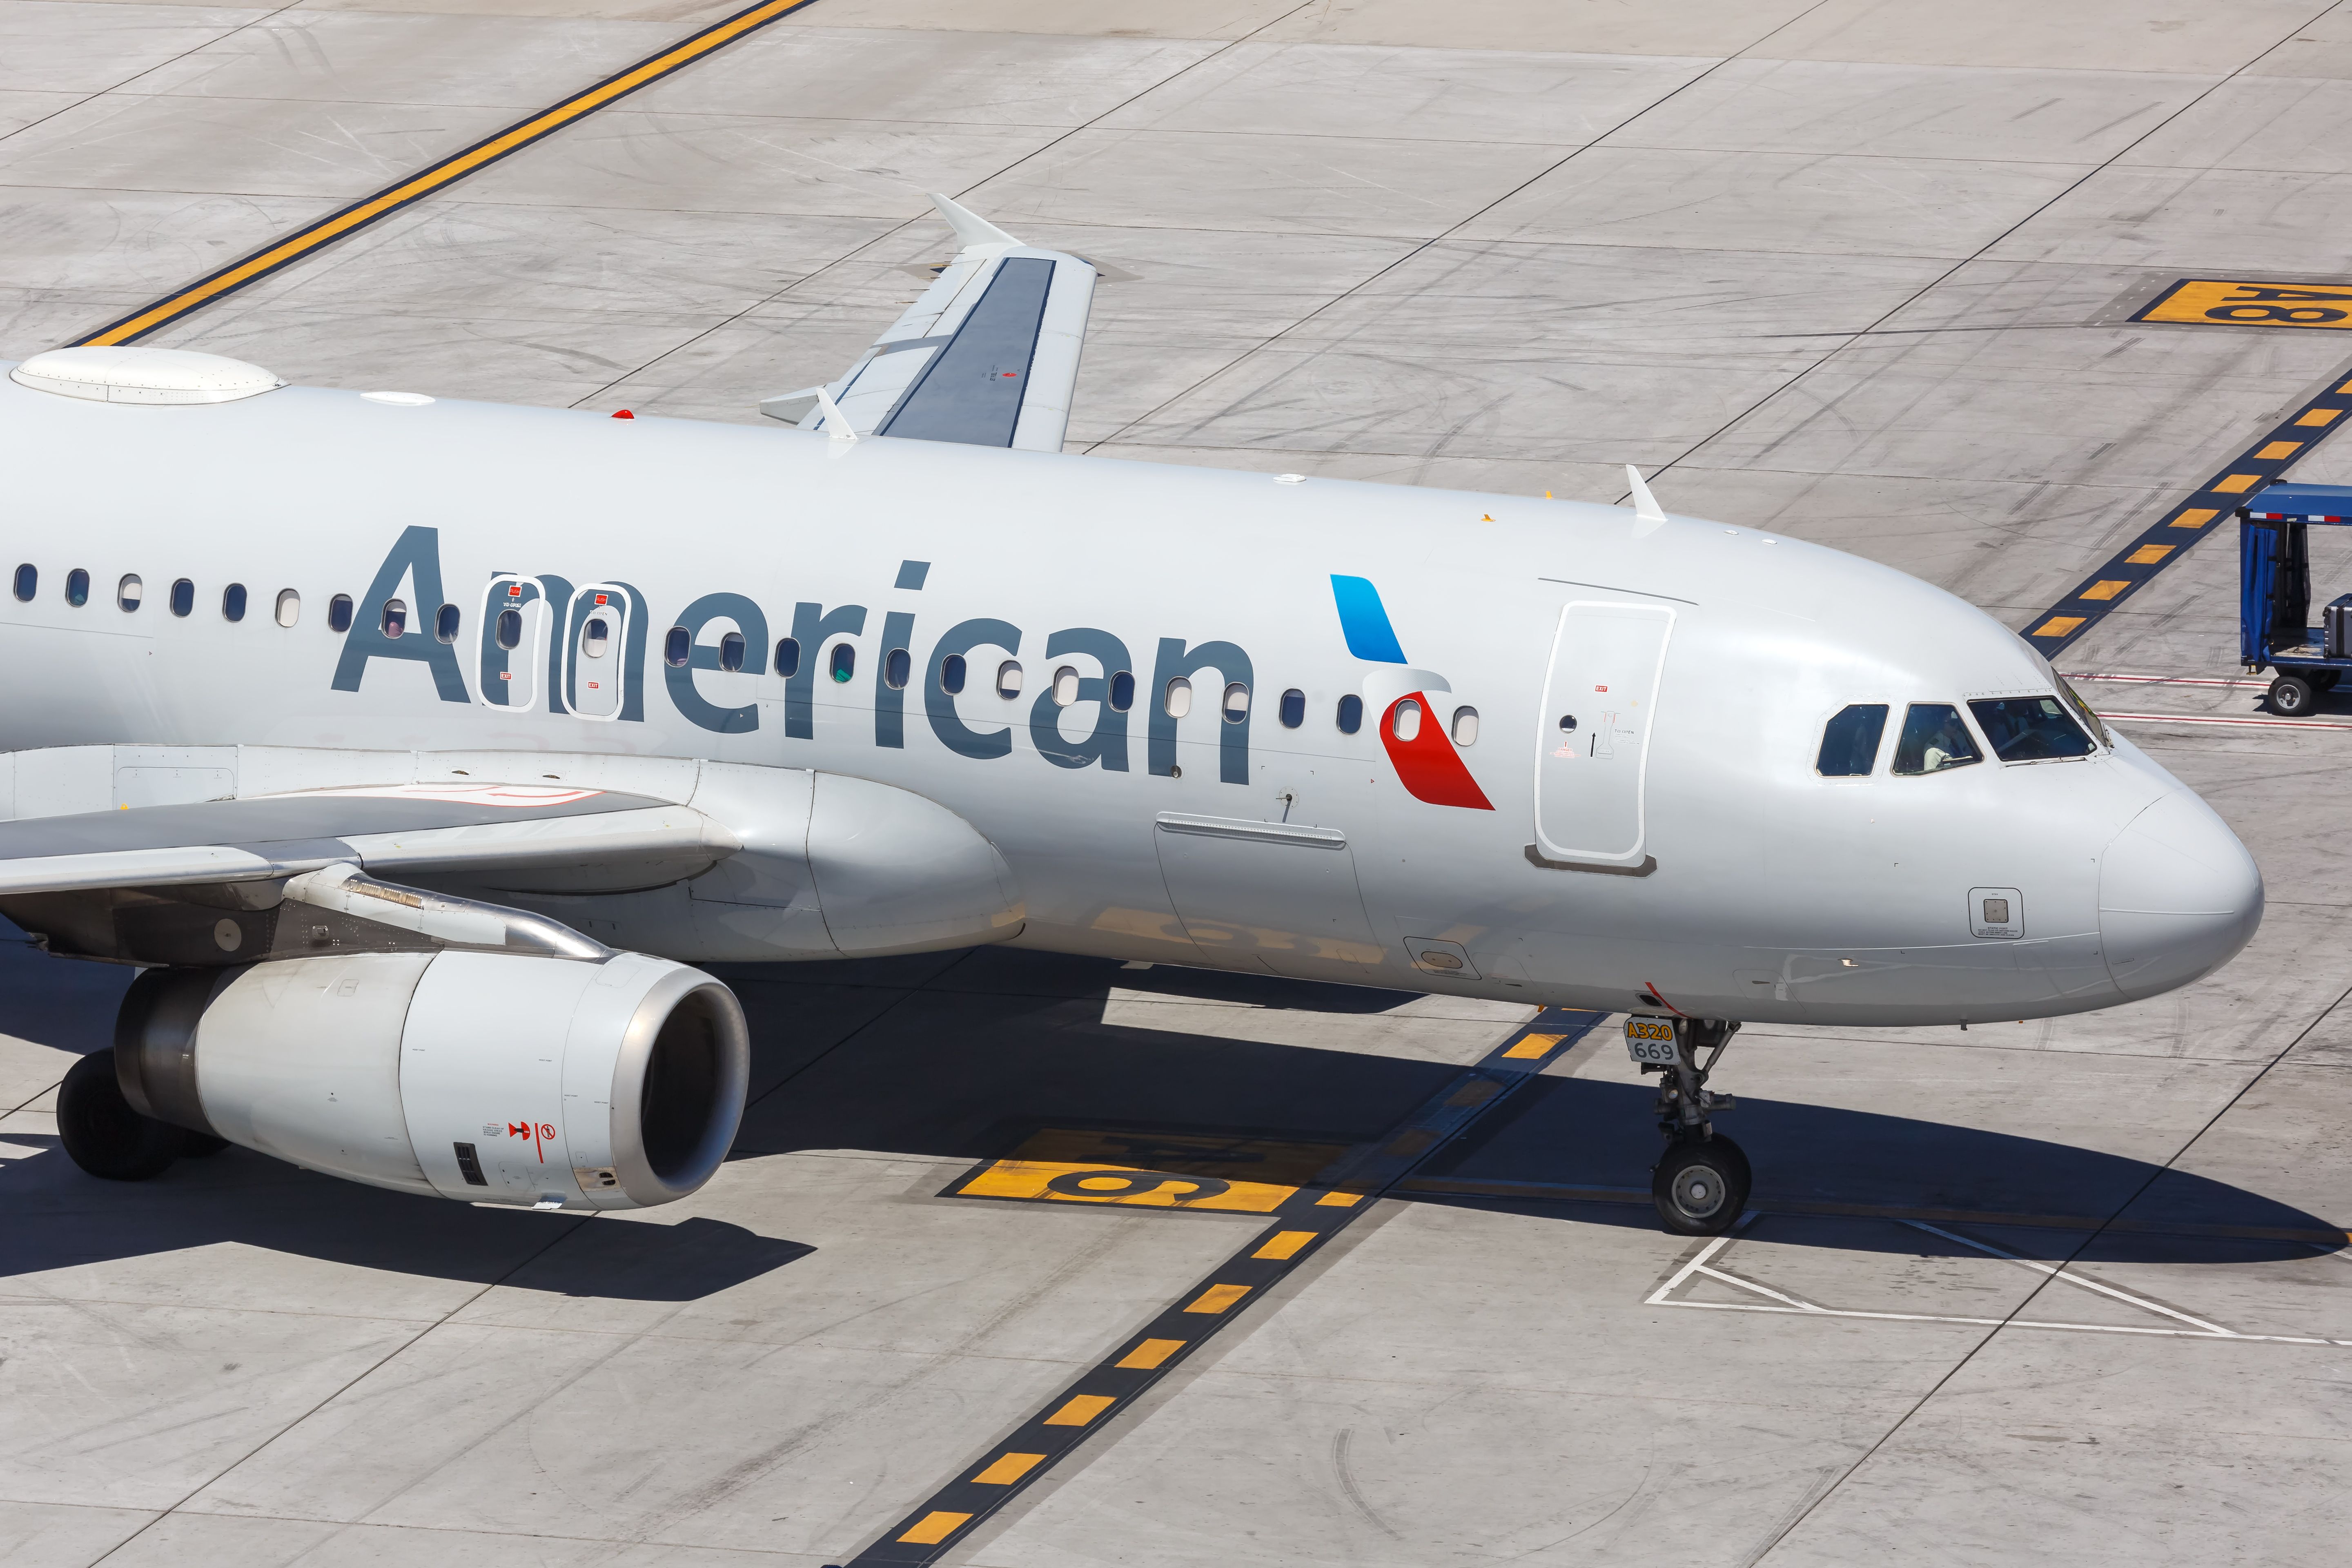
[2290,695]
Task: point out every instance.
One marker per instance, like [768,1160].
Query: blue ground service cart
[2274,629]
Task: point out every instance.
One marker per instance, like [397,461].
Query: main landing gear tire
[1701,1185]
[103,1135]
[2291,696]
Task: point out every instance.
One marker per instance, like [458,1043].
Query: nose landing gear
[1701,1182]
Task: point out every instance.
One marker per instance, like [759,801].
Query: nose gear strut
[1701,1182]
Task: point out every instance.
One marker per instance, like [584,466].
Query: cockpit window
[1850,742]
[2073,698]
[2081,708]
[1935,738]
[2030,729]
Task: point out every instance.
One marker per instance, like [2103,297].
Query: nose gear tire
[103,1135]
[1701,1186]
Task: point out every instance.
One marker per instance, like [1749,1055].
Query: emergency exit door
[1593,740]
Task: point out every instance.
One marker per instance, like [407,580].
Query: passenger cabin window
[1849,741]
[131,593]
[510,629]
[678,644]
[1934,737]
[845,661]
[233,602]
[184,597]
[1350,716]
[338,613]
[897,668]
[788,656]
[1292,711]
[290,606]
[732,648]
[76,588]
[1406,724]
[1008,679]
[1122,690]
[2030,729]
[1466,726]
[953,673]
[394,621]
[1178,699]
[1065,686]
[446,621]
[28,581]
[1236,703]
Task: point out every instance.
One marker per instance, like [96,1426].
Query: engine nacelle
[485,1077]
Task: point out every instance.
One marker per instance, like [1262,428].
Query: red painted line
[2164,679]
[2219,718]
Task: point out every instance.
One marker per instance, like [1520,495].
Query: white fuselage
[1754,888]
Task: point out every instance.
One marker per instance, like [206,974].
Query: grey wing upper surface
[987,356]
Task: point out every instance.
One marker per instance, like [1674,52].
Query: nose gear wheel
[1701,1185]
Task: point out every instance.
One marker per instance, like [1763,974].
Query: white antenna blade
[1645,505]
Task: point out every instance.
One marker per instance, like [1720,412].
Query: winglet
[792,407]
[970,228]
[1645,505]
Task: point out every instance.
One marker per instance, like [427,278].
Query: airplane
[417,749]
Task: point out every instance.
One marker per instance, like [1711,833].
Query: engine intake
[486,1077]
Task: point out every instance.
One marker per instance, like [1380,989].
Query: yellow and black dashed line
[439,176]
[2182,525]
[1304,1219]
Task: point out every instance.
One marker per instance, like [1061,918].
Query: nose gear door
[1593,740]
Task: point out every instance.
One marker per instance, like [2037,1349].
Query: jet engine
[486,1077]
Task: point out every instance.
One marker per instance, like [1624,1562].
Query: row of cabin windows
[131,592]
[898,665]
[1176,700]
[1935,738]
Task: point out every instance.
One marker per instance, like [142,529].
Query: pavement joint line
[1302,1227]
[435,177]
[2180,525]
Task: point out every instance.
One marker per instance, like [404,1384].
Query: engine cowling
[485,1076]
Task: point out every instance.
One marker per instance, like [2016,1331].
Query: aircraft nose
[2179,896]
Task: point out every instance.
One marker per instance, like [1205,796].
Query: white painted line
[2219,718]
[1658,1296]
[2008,1323]
[2059,1273]
[1799,1302]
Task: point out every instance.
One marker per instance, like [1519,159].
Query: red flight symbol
[538,1132]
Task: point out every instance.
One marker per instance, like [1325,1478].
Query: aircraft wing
[596,836]
[987,356]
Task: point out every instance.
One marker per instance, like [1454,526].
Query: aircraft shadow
[990,1049]
[965,1056]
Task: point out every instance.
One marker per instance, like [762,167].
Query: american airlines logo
[1427,762]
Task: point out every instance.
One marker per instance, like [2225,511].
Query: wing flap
[987,357]
[542,839]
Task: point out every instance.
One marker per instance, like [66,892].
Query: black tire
[2290,695]
[201,1145]
[100,1132]
[1701,1186]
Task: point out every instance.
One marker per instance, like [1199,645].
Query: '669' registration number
[1650,1040]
